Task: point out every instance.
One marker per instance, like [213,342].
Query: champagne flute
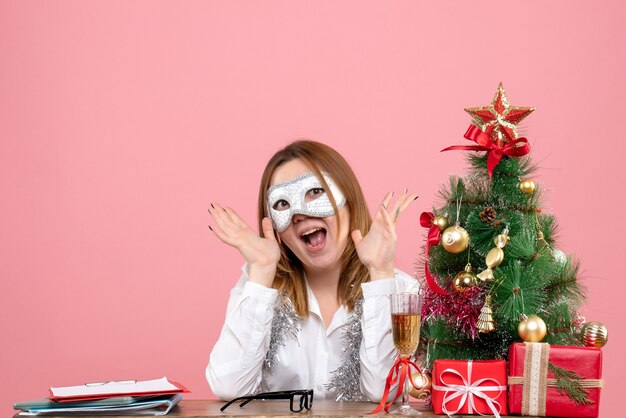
[405,325]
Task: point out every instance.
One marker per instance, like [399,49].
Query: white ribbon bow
[467,392]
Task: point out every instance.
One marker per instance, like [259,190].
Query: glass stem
[405,390]
[405,394]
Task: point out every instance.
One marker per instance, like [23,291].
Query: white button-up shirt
[307,361]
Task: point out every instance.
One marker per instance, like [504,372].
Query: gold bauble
[501,240]
[494,258]
[465,279]
[441,222]
[527,186]
[594,334]
[455,239]
[532,329]
[423,382]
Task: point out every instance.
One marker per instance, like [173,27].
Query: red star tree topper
[499,119]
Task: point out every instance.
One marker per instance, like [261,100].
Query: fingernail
[210,228]
[406,190]
[212,206]
[416,197]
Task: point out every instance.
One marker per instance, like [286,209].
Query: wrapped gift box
[532,387]
[469,387]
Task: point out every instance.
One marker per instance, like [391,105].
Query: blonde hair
[290,271]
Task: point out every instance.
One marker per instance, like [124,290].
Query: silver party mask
[294,193]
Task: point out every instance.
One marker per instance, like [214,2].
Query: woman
[311,308]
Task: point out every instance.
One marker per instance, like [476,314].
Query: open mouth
[314,238]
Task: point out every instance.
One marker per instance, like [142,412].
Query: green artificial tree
[472,311]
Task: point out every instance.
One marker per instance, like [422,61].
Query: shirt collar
[314,308]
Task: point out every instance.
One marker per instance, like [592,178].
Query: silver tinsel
[346,379]
[285,324]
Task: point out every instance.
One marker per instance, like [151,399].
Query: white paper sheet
[115,387]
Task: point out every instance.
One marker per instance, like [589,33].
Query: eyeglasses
[302,399]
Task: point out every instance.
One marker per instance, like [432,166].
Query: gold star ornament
[499,119]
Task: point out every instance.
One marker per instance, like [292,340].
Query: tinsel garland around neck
[347,377]
[345,381]
[285,323]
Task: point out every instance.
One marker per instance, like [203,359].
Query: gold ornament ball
[527,186]
[594,334]
[441,222]
[465,279]
[455,239]
[423,382]
[532,329]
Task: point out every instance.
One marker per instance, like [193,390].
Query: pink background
[120,122]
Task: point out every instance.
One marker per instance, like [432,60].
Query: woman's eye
[281,205]
[314,193]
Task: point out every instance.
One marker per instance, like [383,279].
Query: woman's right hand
[261,253]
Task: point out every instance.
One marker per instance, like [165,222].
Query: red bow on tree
[495,151]
[426,220]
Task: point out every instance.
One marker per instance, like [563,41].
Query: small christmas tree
[492,272]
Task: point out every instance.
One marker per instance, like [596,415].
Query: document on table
[116,388]
[160,406]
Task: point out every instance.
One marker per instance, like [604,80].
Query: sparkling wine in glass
[405,326]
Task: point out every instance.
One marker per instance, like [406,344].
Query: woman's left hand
[377,249]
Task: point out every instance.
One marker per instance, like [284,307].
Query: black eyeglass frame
[306,398]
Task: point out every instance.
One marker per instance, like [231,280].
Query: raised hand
[377,249]
[261,253]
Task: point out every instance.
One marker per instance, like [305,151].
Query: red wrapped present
[533,386]
[469,387]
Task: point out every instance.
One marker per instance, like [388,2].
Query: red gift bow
[426,220]
[467,391]
[514,148]
[398,373]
